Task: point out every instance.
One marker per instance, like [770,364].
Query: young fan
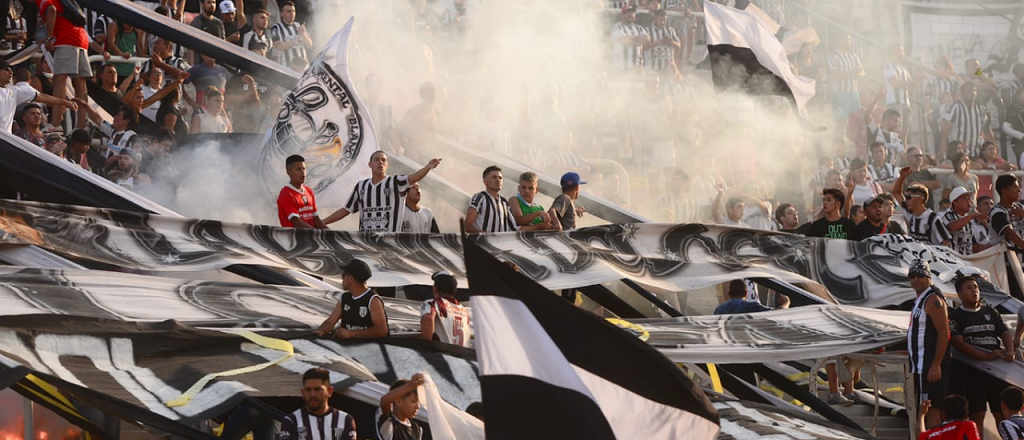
[398,408]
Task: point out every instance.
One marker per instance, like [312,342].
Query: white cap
[958,192]
[227,6]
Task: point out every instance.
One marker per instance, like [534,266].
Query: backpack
[73,12]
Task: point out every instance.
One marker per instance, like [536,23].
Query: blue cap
[570,180]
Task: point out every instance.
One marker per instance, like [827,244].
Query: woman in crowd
[169,117]
[962,176]
[859,187]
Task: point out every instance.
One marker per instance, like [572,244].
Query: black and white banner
[158,368]
[683,257]
[808,332]
[549,370]
[196,303]
[323,120]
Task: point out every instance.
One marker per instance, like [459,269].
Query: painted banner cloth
[871,273]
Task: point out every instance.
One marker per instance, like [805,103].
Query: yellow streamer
[262,341]
[716,382]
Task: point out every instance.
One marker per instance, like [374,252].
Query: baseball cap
[444,281]
[4,64]
[958,192]
[919,267]
[570,180]
[358,269]
[626,9]
[878,199]
[227,6]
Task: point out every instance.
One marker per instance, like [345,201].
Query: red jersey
[64,33]
[963,430]
[292,202]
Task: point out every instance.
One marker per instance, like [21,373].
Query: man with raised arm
[379,199]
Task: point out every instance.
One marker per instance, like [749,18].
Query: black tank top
[355,312]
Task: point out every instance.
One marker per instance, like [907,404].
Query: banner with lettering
[323,120]
[871,273]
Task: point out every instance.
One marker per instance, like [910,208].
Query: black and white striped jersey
[892,142]
[660,56]
[492,214]
[626,56]
[173,61]
[303,425]
[922,334]
[964,238]
[96,25]
[896,95]
[844,62]
[936,87]
[927,227]
[14,27]
[378,204]
[287,32]
[968,122]
[885,173]
[252,39]
[1002,218]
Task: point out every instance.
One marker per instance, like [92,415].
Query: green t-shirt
[530,208]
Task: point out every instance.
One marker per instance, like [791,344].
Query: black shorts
[934,391]
[979,388]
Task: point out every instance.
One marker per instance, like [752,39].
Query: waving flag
[551,371]
[323,120]
[746,55]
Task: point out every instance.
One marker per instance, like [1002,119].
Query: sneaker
[852,397]
[838,399]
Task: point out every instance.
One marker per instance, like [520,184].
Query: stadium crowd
[873,174]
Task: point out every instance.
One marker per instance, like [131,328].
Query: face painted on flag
[323,120]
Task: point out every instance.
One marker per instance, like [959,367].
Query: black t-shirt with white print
[981,328]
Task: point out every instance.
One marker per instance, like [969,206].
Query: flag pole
[29,413]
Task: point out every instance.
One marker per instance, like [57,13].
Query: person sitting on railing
[125,41]
[991,160]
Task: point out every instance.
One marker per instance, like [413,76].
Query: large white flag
[746,55]
[323,120]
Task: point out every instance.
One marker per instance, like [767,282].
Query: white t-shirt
[150,112]
[863,193]
[754,217]
[416,221]
[10,97]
